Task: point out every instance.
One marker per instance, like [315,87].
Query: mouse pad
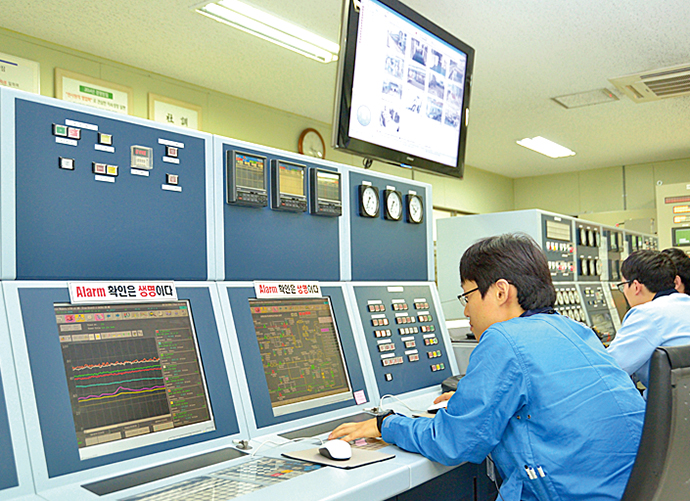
[359,458]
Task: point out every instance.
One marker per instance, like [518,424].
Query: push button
[59,130]
[66,163]
[172,179]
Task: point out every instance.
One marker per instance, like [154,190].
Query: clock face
[369,201]
[393,205]
[312,144]
[415,209]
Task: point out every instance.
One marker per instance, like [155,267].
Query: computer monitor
[301,353]
[134,375]
[403,88]
[620,302]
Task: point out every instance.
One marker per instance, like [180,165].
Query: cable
[403,403]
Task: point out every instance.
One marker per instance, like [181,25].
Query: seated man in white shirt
[658,316]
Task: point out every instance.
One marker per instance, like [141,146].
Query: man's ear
[677,283]
[503,291]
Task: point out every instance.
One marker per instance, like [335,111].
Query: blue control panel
[8,471]
[404,337]
[261,243]
[55,414]
[386,249]
[102,198]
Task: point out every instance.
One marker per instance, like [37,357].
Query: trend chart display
[133,372]
[300,352]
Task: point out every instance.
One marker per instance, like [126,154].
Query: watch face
[369,201]
[415,209]
[393,205]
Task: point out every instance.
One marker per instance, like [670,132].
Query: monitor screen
[249,171]
[681,237]
[134,375]
[291,179]
[620,302]
[301,353]
[403,88]
[328,185]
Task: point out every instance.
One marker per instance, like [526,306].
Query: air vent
[655,84]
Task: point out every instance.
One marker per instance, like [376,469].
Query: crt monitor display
[403,88]
[301,353]
[620,302]
[134,374]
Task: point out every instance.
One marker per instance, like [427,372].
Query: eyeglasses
[621,286]
[463,297]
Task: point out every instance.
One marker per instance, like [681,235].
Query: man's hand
[444,397]
[353,431]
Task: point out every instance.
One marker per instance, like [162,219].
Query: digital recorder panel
[404,337]
[101,198]
[299,355]
[386,244]
[590,267]
[121,381]
[559,247]
[264,244]
[8,471]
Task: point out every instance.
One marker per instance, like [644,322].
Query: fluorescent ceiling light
[546,147]
[263,25]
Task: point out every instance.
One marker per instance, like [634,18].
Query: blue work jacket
[561,420]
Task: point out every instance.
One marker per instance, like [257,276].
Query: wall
[611,195]
[237,118]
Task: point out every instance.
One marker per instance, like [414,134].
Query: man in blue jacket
[559,417]
[658,315]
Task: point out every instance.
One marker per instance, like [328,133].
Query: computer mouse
[434,408]
[338,450]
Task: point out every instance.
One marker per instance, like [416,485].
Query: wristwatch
[381,417]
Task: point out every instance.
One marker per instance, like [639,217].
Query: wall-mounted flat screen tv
[403,88]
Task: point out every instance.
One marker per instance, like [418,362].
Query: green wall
[613,193]
[237,118]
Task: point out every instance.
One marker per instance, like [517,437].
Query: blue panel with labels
[252,360]
[83,212]
[8,469]
[53,396]
[386,249]
[265,244]
[404,337]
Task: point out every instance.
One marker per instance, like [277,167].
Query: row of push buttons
[421,306]
[103,169]
[425,318]
[376,307]
[392,361]
[430,341]
[437,367]
[376,322]
[434,354]
[408,330]
[386,347]
[400,307]
[383,333]
[405,320]
[428,328]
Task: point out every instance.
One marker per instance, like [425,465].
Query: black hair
[682,262]
[653,269]
[516,258]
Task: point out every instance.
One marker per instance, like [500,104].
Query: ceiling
[526,53]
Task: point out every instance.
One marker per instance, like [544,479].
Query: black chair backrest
[662,467]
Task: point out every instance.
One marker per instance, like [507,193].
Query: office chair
[662,468]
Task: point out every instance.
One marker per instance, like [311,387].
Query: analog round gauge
[584,269]
[583,236]
[368,201]
[393,205]
[597,238]
[571,297]
[559,298]
[597,263]
[415,209]
[590,238]
[311,143]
